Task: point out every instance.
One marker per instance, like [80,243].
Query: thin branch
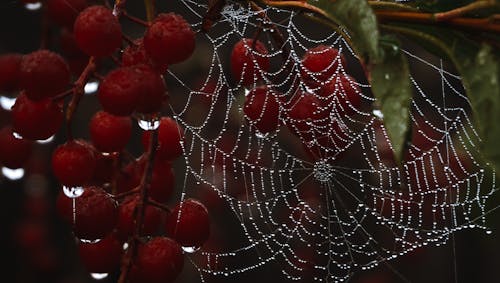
[484,24]
[78,91]
[158,205]
[135,19]
[455,13]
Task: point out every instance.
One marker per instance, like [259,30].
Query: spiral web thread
[322,221]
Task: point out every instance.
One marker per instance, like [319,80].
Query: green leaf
[479,68]
[391,85]
[481,79]
[358,18]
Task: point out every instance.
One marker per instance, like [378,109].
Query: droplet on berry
[73,192]
[36,120]
[93,215]
[170,136]
[103,256]
[73,163]
[110,133]
[189,224]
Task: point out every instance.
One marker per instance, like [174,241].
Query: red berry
[130,177]
[136,55]
[104,169]
[14,152]
[262,109]
[162,181]
[94,215]
[128,215]
[97,31]
[248,61]
[320,64]
[73,163]
[36,120]
[110,133]
[158,261]
[170,135]
[120,90]
[64,12]
[169,39]
[305,113]
[10,72]
[189,224]
[343,90]
[44,74]
[153,93]
[68,44]
[103,256]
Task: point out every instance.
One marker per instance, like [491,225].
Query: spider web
[322,212]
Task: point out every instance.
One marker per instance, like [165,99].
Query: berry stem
[139,212]
[150,6]
[78,91]
[135,19]
[158,205]
[127,193]
[213,14]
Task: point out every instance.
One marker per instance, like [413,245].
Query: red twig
[78,91]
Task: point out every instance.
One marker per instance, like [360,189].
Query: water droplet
[16,135]
[49,140]
[149,124]
[378,113]
[190,250]
[99,276]
[90,241]
[489,232]
[13,174]
[33,6]
[73,192]
[125,246]
[261,135]
[7,102]
[91,87]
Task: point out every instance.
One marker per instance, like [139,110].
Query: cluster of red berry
[116,208]
[314,112]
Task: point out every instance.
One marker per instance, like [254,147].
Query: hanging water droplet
[489,232]
[45,141]
[99,276]
[125,246]
[16,135]
[73,192]
[90,241]
[7,102]
[33,6]
[149,125]
[190,250]
[13,174]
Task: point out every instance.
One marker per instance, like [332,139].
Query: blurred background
[36,246]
